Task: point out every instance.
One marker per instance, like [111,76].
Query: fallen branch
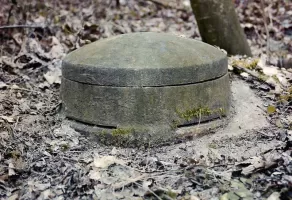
[254,74]
[166,4]
[22,26]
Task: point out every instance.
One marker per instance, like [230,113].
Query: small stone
[14,87]
[3,85]
[289,135]
[244,75]
[282,134]
[264,87]
[148,161]
[183,164]
[18,95]
[230,68]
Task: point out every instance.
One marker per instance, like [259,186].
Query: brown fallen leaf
[106,161]
[259,162]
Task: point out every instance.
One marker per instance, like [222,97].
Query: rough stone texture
[130,106]
[139,88]
[145,59]
[247,114]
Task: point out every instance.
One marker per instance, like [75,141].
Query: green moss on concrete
[174,124]
[263,77]
[194,113]
[220,111]
[147,105]
[122,131]
[197,113]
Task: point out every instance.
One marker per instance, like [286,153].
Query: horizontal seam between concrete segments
[109,127]
[77,121]
[201,123]
[157,86]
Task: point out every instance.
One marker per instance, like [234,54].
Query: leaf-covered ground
[43,158]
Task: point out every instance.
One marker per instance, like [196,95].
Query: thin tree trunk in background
[218,25]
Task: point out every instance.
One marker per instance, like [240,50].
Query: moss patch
[197,113]
[194,113]
[246,63]
[122,131]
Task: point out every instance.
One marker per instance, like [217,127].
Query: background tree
[218,25]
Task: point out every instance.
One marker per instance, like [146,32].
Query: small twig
[264,134]
[22,26]
[124,183]
[254,74]
[149,191]
[24,89]
[9,13]
[266,28]
[166,5]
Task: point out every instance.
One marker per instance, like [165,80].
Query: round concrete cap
[145,59]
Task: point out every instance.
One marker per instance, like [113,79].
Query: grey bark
[219,25]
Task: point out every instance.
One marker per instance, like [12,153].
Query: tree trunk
[218,25]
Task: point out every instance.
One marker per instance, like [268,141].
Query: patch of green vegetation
[171,194]
[103,132]
[122,131]
[212,146]
[197,113]
[220,111]
[194,113]
[287,97]
[253,64]
[174,125]
[246,63]
[14,154]
[271,109]
[263,77]
[50,150]
[64,147]
[290,90]
[276,78]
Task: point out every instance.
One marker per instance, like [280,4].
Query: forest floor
[41,157]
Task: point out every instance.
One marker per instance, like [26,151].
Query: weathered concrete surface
[139,88]
[247,115]
[141,106]
[145,59]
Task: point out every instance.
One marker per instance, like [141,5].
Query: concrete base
[140,88]
[243,115]
[146,136]
[145,115]
[122,107]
